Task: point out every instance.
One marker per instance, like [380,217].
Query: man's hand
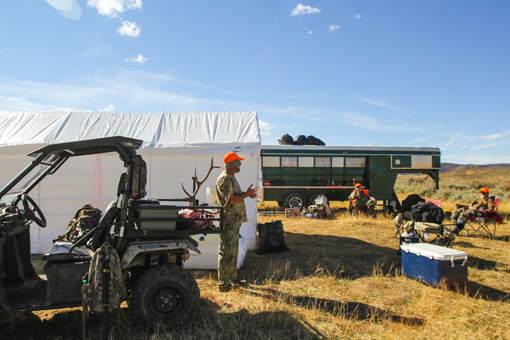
[252,192]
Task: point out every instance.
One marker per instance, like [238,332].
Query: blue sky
[397,73]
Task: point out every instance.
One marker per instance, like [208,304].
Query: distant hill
[446,167]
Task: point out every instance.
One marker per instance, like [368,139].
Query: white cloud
[265,127]
[109,108]
[310,32]
[140,59]
[136,91]
[302,10]
[129,28]
[381,103]
[495,136]
[333,28]
[303,94]
[357,16]
[113,8]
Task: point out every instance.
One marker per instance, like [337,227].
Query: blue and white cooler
[435,265]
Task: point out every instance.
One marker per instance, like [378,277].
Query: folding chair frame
[480,225]
[441,238]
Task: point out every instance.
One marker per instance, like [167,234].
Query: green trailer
[295,175]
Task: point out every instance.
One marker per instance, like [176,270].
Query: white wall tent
[174,145]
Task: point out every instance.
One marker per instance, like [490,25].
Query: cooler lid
[432,251]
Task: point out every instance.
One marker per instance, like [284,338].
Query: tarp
[174,145]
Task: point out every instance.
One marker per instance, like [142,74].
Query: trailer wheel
[312,198]
[295,200]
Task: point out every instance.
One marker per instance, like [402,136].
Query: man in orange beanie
[480,207]
[362,200]
[231,197]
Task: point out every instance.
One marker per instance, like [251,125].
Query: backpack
[139,180]
[300,140]
[312,140]
[86,218]
[409,201]
[322,201]
[271,237]
[428,212]
[93,288]
[286,139]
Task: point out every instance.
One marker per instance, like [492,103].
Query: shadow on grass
[66,324]
[505,238]
[242,324]
[482,264]
[338,256]
[342,257]
[474,289]
[207,323]
[502,238]
[465,244]
[352,310]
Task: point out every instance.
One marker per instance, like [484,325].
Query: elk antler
[191,198]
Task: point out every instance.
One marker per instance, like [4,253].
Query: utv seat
[59,252]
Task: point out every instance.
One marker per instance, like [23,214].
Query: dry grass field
[341,279]
[460,185]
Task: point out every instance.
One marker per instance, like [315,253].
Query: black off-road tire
[164,296]
[295,200]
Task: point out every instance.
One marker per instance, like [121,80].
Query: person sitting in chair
[480,207]
[362,200]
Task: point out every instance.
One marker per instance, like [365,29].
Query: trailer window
[337,162]
[306,162]
[355,162]
[289,162]
[421,162]
[271,161]
[323,162]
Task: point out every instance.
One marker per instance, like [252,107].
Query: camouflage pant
[228,250]
[365,203]
[462,212]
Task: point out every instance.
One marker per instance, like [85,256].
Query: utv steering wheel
[31,210]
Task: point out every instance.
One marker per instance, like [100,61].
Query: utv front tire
[164,296]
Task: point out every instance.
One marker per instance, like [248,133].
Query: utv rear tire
[164,296]
[295,200]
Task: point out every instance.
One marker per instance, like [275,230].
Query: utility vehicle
[145,234]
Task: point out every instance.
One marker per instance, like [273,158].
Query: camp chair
[403,215]
[436,202]
[400,221]
[434,233]
[428,223]
[482,224]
